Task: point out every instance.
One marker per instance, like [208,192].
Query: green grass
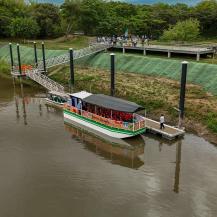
[211,121]
[63,43]
[4,69]
[27,54]
[202,74]
[54,48]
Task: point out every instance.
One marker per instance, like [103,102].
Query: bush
[187,30]
[211,121]
[24,28]
[4,68]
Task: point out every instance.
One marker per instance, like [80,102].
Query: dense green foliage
[187,30]
[99,17]
[24,28]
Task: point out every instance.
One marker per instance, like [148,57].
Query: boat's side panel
[96,128]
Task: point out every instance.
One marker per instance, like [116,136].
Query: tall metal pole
[182,93]
[72,71]
[18,57]
[35,53]
[11,55]
[112,74]
[43,55]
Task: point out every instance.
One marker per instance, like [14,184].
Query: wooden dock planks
[168,132]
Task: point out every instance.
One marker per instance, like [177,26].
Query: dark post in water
[72,72]
[112,74]
[182,93]
[11,55]
[35,52]
[18,57]
[43,55]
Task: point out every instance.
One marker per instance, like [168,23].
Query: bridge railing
[64,58]
[45,81]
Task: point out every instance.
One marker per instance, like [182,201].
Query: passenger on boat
[79,106]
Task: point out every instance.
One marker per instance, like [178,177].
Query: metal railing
[64,58]
[137,123]
[42,79]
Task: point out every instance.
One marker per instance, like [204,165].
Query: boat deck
[168,132]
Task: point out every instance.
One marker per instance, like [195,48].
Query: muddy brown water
[50,169]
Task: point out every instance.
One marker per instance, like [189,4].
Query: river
[50,169]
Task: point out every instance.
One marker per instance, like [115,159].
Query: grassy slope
[53,47]
[198,73]
[27,54]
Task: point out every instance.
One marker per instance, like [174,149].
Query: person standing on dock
[162,120]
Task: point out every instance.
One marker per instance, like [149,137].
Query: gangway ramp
[77,54]
[38,76]
[43,80]
[169,132]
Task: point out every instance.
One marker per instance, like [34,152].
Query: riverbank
[202,74]
[158,95]
[5,73]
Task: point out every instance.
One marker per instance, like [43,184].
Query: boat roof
[58,94]
[113,103]
[81,95]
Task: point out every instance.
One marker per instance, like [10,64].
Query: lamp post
[182,93]
[11,55]
[18,57]
[35,54]
[43,55]
[72,72]
[112,74]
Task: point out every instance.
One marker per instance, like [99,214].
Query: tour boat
[104,114]
[56,99]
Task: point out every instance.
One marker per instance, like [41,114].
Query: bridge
[37,73]
[77,54]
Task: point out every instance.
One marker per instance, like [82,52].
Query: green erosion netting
[27,54]
[198,73]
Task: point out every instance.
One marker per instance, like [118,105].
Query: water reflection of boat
[124,152]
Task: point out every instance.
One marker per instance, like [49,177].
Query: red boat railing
[137,123]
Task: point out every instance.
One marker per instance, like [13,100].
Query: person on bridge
[162,120]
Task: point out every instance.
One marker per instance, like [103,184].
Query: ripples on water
[49,168]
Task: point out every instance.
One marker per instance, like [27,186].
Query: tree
[187,30]
[70,11]
[206,13]
[48,18]
[92,12]
[24,28]
[10,9]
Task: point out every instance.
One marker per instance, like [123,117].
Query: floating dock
[198,51]
[168,132]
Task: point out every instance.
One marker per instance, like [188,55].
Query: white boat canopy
[81,95]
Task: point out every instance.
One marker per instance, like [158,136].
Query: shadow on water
[121,152]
